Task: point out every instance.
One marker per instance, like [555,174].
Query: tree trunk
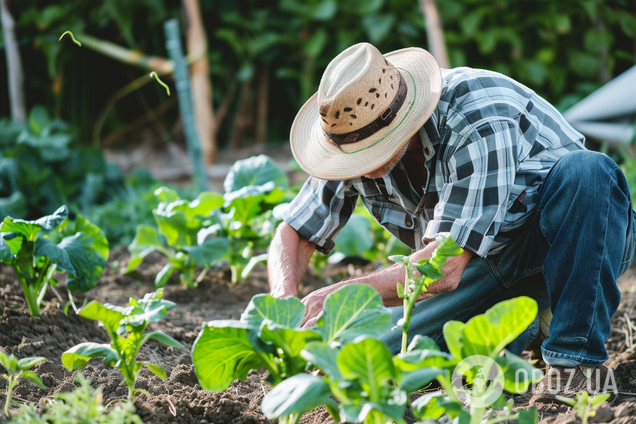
[262,105]
[200,80]
[14,64]
[434,32]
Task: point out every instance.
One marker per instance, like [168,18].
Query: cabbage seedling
[37,249]
[126,327]
[430,270]
[17,369]
[583,405]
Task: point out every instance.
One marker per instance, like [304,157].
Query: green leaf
[145,242]
[164,275]
[76,357]
[166,195]
[47,248]
[252,263]
[151,308]
[222,353]
[26,363]
[254,171]
[157,370]
[368,361]
[518,373]
[413,381]
[290,341]
[355,238]
[446,247]
[415,359]
[30,228]
[296,395]
[400,290]
[210,251]
[9,362]
[5,252]
[353,311]
[528,416]
[378,27]
[489,333]
[87,262]
[599,399]
[288,312]
[108,315]
[373,412]
[420,342]
[401,259]
[161,337]
[33,378]
[435,404]
[324,357]
[39,119]
[81,224]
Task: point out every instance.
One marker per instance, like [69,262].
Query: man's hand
[453,270]
[289,255]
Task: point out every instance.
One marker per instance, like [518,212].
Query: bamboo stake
[182,83]
[262,105]
[200,80]
[434,32]
[14,64]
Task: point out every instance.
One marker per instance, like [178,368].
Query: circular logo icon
[478,381]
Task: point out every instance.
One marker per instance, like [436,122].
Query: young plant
[82,405]
[253,189]
[185,227]
[429,270]
[584,406]
[372,386]
[17,369]
[269,336]
[37,249]
[126,327]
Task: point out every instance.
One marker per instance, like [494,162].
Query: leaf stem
[11,382]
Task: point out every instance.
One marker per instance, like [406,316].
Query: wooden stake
[435,33]
[14,64]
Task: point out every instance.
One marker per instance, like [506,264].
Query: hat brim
[322,159]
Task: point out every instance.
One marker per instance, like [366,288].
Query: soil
[179,398]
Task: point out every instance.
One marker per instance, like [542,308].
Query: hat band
[382,121]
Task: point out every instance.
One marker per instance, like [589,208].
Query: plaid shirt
[488,146]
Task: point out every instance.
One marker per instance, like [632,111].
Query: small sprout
[154,75]
[19,369]
[72,37]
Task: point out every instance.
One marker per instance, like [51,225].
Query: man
[475,154]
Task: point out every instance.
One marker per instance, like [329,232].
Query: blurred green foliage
[563,50]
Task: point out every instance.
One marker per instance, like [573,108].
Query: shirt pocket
[394,219]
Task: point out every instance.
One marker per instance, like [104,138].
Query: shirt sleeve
[320,210]
[474,197]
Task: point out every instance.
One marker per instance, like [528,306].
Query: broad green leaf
[296,395]
[452,334]
[81,224]
[5,252]
[599,399]
[518,373]
[157,370]
[88,263]
[109,315]
[254,171]
[420,342]
[14,241]
[161,337]
[33,378]
[145,242]
[210,251]
[428,270]
[355,238]
[412,381]
[415,359]
[9,362]
[378,26]
[76,357]
[252,263]
[291,342]
[446,247]
[373,412]
[489,333]
[222,353]
[353,311]
[324,357]
[287,312]
[29,229]
[433,405]
[528,416]
[368,361]
[176,228]
[26,363]
[166,195]
[47,248]
[200,207]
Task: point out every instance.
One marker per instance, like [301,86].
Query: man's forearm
[289,257]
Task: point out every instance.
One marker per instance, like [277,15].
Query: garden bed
[179,398]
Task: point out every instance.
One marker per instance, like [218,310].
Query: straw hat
[367,108]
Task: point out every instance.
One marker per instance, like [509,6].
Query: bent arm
[289,257]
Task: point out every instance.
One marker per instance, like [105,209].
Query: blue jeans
[567,257]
